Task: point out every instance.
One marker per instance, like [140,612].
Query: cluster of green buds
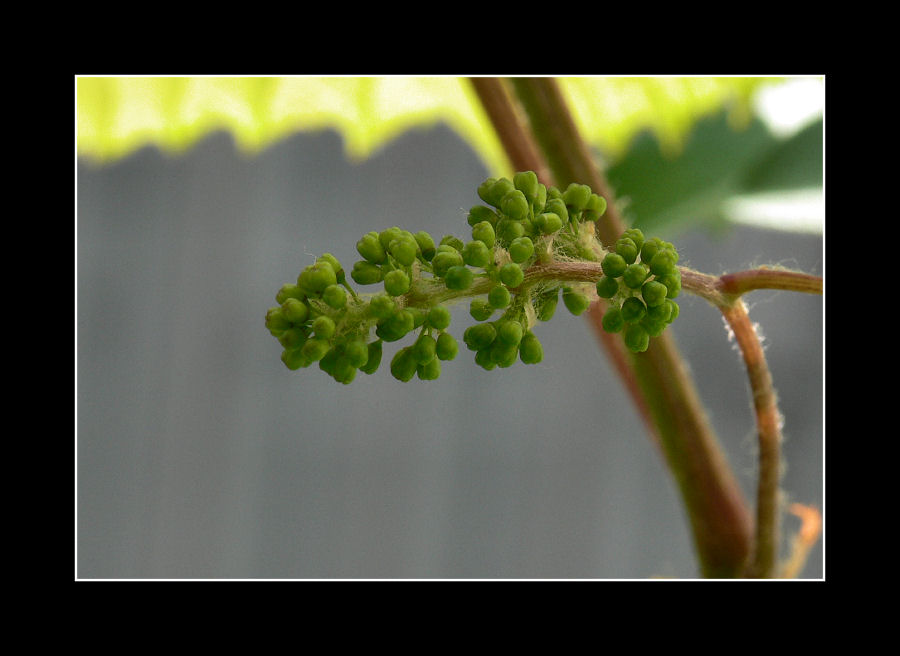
[640,279]
[522,226]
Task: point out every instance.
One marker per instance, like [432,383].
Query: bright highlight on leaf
[116,115]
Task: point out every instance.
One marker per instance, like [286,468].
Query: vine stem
[524,155]
[659,380]
[768,424]
[725,293]
[721,523]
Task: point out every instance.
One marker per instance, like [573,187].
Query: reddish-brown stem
[721,523]
[766,278]
[524,155]
[768,424]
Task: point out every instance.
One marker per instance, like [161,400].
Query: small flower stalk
[522,226]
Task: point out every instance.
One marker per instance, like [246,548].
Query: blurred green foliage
[717,163]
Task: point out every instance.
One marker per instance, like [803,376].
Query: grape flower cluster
[640,279]
[522,226]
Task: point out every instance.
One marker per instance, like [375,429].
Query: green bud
[613,265]
[481,213]
[289,290]
[404,250]
[385,237]
[548,222]
[480,309]
[576,196]
[636,338]
[672,281]
[370,248]
[446,347]
[443,261]
[511,275]
[357,353]
[654,327]
[366,273]
[530,349]
[595,208]
[335,296]
[635,275]
[479,336]
[521,249]
[276,322]
[294,359]
[454,242]
[663,263]
[558,207]
[503,354]
[633,309]
[509,229]
[343,371]
[439,317]
[498,191]
[636,236]
[607,287]
[330,359]
[538,202]
[673,314]
[660,312]
[613,321]
[419,316]
[293,338]
[527,183]
[382,306]
[459,278]
[509,331]
[396,326]
[499,297]
[316,278]
[650,248]
[654,293]
[627,249]
[484,189]
[323,327]
[333,261]
[515,205]
[484,232]
[375,351]
[396,282]
[404,365]
[483,359]
[575,302]
[315,349]
[425,244]
[546,305]
[431,370]
[295,311]
[423,348]
[476,254]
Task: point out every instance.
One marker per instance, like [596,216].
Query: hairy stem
[720,521]
[768,424]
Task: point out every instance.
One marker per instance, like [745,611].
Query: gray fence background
[199,455]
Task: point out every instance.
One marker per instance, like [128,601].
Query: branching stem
[659,380]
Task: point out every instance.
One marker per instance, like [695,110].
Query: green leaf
[719,162]
[794,163]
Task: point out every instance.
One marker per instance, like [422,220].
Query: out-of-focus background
[199,455]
